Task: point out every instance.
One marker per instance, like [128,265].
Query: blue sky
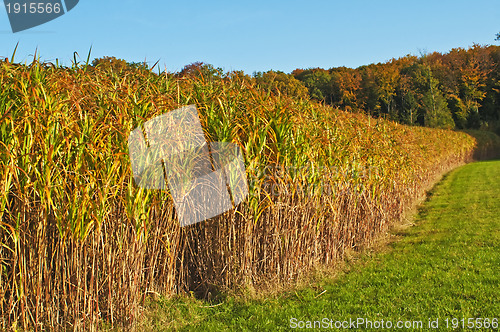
[256,35]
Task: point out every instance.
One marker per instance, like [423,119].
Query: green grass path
[447,266]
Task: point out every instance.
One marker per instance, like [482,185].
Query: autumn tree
[279,82]
[345,84]
[110,63]
[490,106]
[386,78]
[317,81]
[369,92]
[460,88]
[428,103]
[200,70]
[467,88]
[434,105]
[406,98]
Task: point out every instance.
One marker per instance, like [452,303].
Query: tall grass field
[436,272]
[81,244]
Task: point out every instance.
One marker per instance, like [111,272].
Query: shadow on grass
[488,144]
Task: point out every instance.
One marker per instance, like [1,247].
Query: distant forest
[459,89]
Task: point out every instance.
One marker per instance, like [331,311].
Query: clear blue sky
[257,35]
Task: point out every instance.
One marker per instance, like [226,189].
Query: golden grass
[81,244]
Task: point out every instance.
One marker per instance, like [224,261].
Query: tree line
[459,89]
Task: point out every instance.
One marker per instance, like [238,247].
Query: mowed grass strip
[446,266]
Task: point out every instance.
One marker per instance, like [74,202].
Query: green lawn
[445,267]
